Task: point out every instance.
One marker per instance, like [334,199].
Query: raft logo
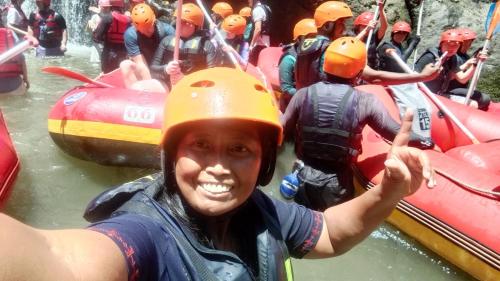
[139,114]
[72,99]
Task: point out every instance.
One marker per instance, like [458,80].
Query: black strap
[337,119]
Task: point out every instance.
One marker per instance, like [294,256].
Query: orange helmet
[142,15]
[223,9]
[235,24]
[345,57]
[331,11]
[246,12]
[304,27]
[364,18]
[208,95]
[192,14]
[467,33]
[451,35]
[401,26]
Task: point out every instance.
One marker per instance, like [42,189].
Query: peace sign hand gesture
[406,167]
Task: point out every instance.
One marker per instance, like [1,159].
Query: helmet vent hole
[260,88]
[203,84]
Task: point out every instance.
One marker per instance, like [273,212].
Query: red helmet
[451,35]
[117,3]
[467,33]
[364,18]
[401,26]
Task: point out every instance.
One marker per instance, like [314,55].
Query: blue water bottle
[290,185]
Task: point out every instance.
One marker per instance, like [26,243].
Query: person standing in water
[110,30]
[49,28]
[204,218]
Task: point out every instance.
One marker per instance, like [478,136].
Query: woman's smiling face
[217,167]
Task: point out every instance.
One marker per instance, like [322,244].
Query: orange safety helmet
[304,27]
[451,35]
[246,12]
[235,24]
[142,15]
[192,14]
[364,19]
[345,57]
[401,26]
[467,33]
[331,11]
[208,95]
[223,9]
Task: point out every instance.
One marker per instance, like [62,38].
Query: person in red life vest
[141,41]
[109,31]
[13,73]
[362,26]
[16,16]
[49,27]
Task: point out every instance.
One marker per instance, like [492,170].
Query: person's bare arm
[27,253]
[348,224]
[373,76]
[142,69]
[64,40]
[383,22]
[256,33]
[466,71]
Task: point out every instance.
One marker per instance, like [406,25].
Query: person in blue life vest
[233,27]
[327,118]
[196,51]
[400,33]
[305,28]
[110,30]
[203,218]
[362,26]
[141,41]
[450,42]
[330,18]
[49,28]
[13,73]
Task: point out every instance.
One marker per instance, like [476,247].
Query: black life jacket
[440,84]
[140,197]
[11,68]
[266,25]
[117,28]
[329,129]
[46,28]
[191,53]
[385,61]
[289,50]
[308,68]
[148,45]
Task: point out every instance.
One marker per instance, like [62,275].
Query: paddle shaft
[178,23]
[419,26]
[436,101]
[370,34]
[17,30]
[477,73]
[219,36]
[15,51]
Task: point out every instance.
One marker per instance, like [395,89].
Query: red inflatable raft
[9,162]
[111,126]
[460,218]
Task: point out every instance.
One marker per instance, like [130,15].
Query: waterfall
[75,12]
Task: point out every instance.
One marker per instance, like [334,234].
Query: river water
[53,188]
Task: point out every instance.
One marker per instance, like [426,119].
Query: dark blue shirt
[152,253]
[139,44]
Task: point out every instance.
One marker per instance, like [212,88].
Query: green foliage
[490,83]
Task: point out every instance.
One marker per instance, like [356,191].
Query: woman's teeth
[216,188]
